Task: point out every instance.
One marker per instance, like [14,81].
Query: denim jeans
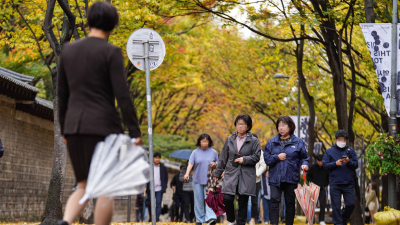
[250,208]
[159,195]
[201,209]
[266,204]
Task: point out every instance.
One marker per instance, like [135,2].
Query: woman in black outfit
[90,78]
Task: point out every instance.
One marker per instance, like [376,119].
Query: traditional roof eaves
[44,102]
[8,77]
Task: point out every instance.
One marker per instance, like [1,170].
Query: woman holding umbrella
[202,159]
[284,154]
[90,77]
[238,159]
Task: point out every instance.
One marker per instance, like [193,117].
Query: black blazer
[90,77]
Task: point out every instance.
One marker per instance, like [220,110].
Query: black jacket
[178,184]
[318,175]
[164,179]
[90,77]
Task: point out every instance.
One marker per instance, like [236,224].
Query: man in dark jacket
[160,183]
[177,187]
[341,161]
[320,177]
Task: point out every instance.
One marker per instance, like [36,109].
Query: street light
[281,76]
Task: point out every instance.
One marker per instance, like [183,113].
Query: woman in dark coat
[90,78]
[285,154]
[238,159]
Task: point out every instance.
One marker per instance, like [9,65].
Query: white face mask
[341,144]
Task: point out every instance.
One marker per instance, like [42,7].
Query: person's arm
[261,168]
[270,159]
[223,160]
[189,168]
[328,165]
[370,197]
[121,92]
[253,159]
[62,93]
[353,163]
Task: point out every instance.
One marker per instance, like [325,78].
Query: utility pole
[393,111]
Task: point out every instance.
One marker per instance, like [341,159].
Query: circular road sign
[136,52]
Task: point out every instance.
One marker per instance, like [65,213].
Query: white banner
[378,38]
[317,148]
[303,128]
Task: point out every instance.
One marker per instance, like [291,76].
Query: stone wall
[25,168]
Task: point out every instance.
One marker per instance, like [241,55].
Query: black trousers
[322,204]
[179,204]
[230,208]
[339,216]
[254,202]
[290,200]
[186,195]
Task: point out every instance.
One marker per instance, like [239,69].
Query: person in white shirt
[266,195]
[253,209]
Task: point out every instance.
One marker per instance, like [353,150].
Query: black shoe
[211,222]
[198,223]
[62,222]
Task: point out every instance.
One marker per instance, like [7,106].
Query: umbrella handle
[304,175]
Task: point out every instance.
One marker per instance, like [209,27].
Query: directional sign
[136,50]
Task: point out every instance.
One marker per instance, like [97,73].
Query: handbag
[366,211]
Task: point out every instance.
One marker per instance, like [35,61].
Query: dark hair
[103,16]
[205,136]
[182,166]
[288,121]
[156,154]
[319,157]
[341,133]
[247,119]
[375,187]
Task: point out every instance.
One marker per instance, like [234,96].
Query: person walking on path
[266,195]
[90,76]
[187,195]
[177,188]
[319,176]
[341,161]
[372,200]
[201,160]
[285,154]
[255,201]
[238,159]
[160,184]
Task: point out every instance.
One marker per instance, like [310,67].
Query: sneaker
[211,222]
[229,223]
[252,222]
[62,222]
[322,223]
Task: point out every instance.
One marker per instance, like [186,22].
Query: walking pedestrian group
[91,75]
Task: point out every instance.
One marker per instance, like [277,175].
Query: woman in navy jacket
[285,154]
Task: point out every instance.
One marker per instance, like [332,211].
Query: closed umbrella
[111,175]
[307,195]
[181,154]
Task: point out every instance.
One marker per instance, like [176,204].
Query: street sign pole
[150,131]
[146,51]
[393,110]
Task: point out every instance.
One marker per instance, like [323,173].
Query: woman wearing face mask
[202,159]
[238,159]
[285,154]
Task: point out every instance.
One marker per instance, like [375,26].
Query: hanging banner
[317,148]
[303,128]
[378,39]
[398,72]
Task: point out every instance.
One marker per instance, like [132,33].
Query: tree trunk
[356,218]
[53,210]
[307,96]
[87,215]
[369,11]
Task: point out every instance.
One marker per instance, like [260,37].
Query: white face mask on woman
[341,144]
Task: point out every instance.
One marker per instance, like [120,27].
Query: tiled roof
[44,102]
[18,79]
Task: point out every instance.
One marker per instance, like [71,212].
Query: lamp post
[281,76]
